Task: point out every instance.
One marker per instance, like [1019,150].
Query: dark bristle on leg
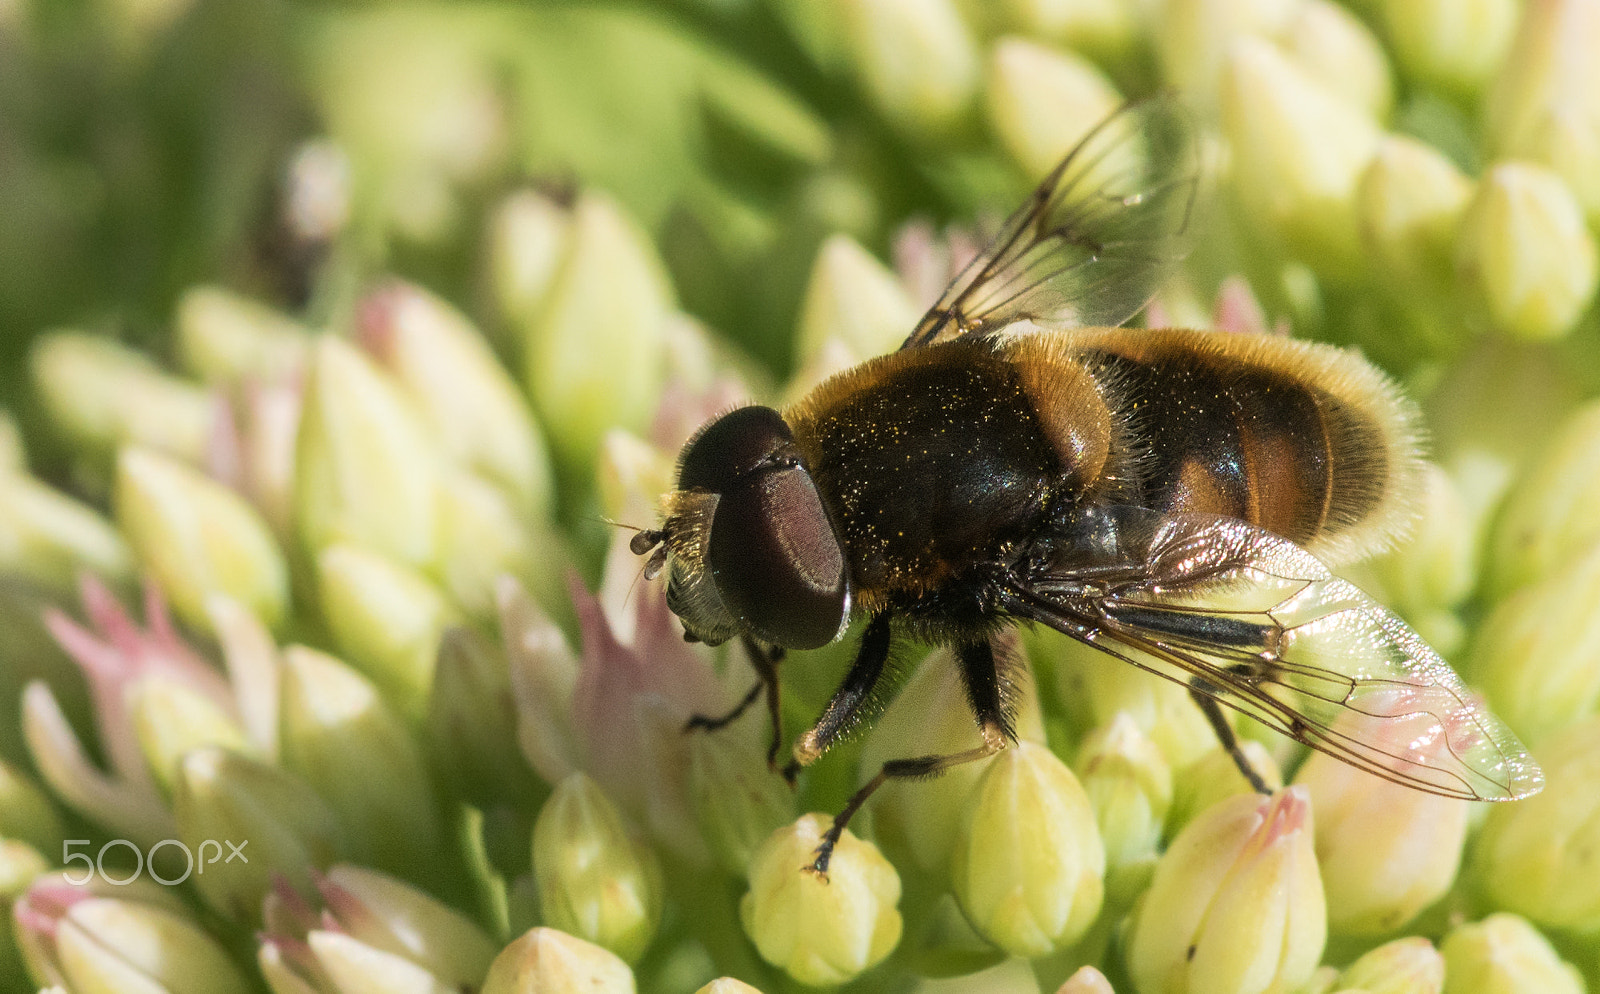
[1219,724]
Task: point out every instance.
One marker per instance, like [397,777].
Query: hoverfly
[1170,497]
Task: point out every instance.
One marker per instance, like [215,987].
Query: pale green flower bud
[366,471]
[1436,565]
[460,389]
[1404,966]
[277,821]
[102,395]
[1194,37]
[1409,203]
[1537,655]
[1042,101]
[198,538]
[1531,857]
[1455,45]
[225,338]
[1545,104]
[49,539]
[931,717]
[1524,250]
[853,299]
[821,931]
[737,801]
[1548,516]
[376,934]
[593,355]
[1298,153]
[1503,954]
[171,718]
[483,537]
[1386,851]
[547,961]
[355,751]
[472,720]
[104,945]
[917,60]
[1129,784]
[727,985]
[386,620]
[1338,51]
[1106,29]
[1029,869]
[595,880]
[1236,903]
[26,812]
[529,235]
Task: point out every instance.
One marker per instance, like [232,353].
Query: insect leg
[845,705]
[765,661]
[983,691]
[1219,724]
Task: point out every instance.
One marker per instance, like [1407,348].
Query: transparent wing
[1260,625]
[1093,242]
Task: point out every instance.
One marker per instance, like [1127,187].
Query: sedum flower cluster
[346,344]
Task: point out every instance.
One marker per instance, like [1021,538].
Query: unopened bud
[1298,153]
[1215,776]
[1409,204]
[102,395]
[595,880]
[278,825]
[593,354]
[386,619]
[226,338]
[1524,250]
[1547,518]
[355,751]
[1236,902]
[1404,966]
[1129,784]
[171,718]
[1537,655]
[821,931]
[1455,45]
[460,389]
[365,469]
[26,813]
[917,60]
[852,298]
[198,538]
[548,961]
[1545,104]
[1332,45]
[1530,857]
[1042,102]
[49,539]
[1029,869]
[1386,851]
[1503,954]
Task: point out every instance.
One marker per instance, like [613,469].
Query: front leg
[845,705]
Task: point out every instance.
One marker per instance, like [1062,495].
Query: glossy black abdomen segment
[1225,435]
[929,460]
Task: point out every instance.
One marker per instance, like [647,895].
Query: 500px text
[143,860]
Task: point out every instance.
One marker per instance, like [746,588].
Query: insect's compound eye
[775,560]
[730,447]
